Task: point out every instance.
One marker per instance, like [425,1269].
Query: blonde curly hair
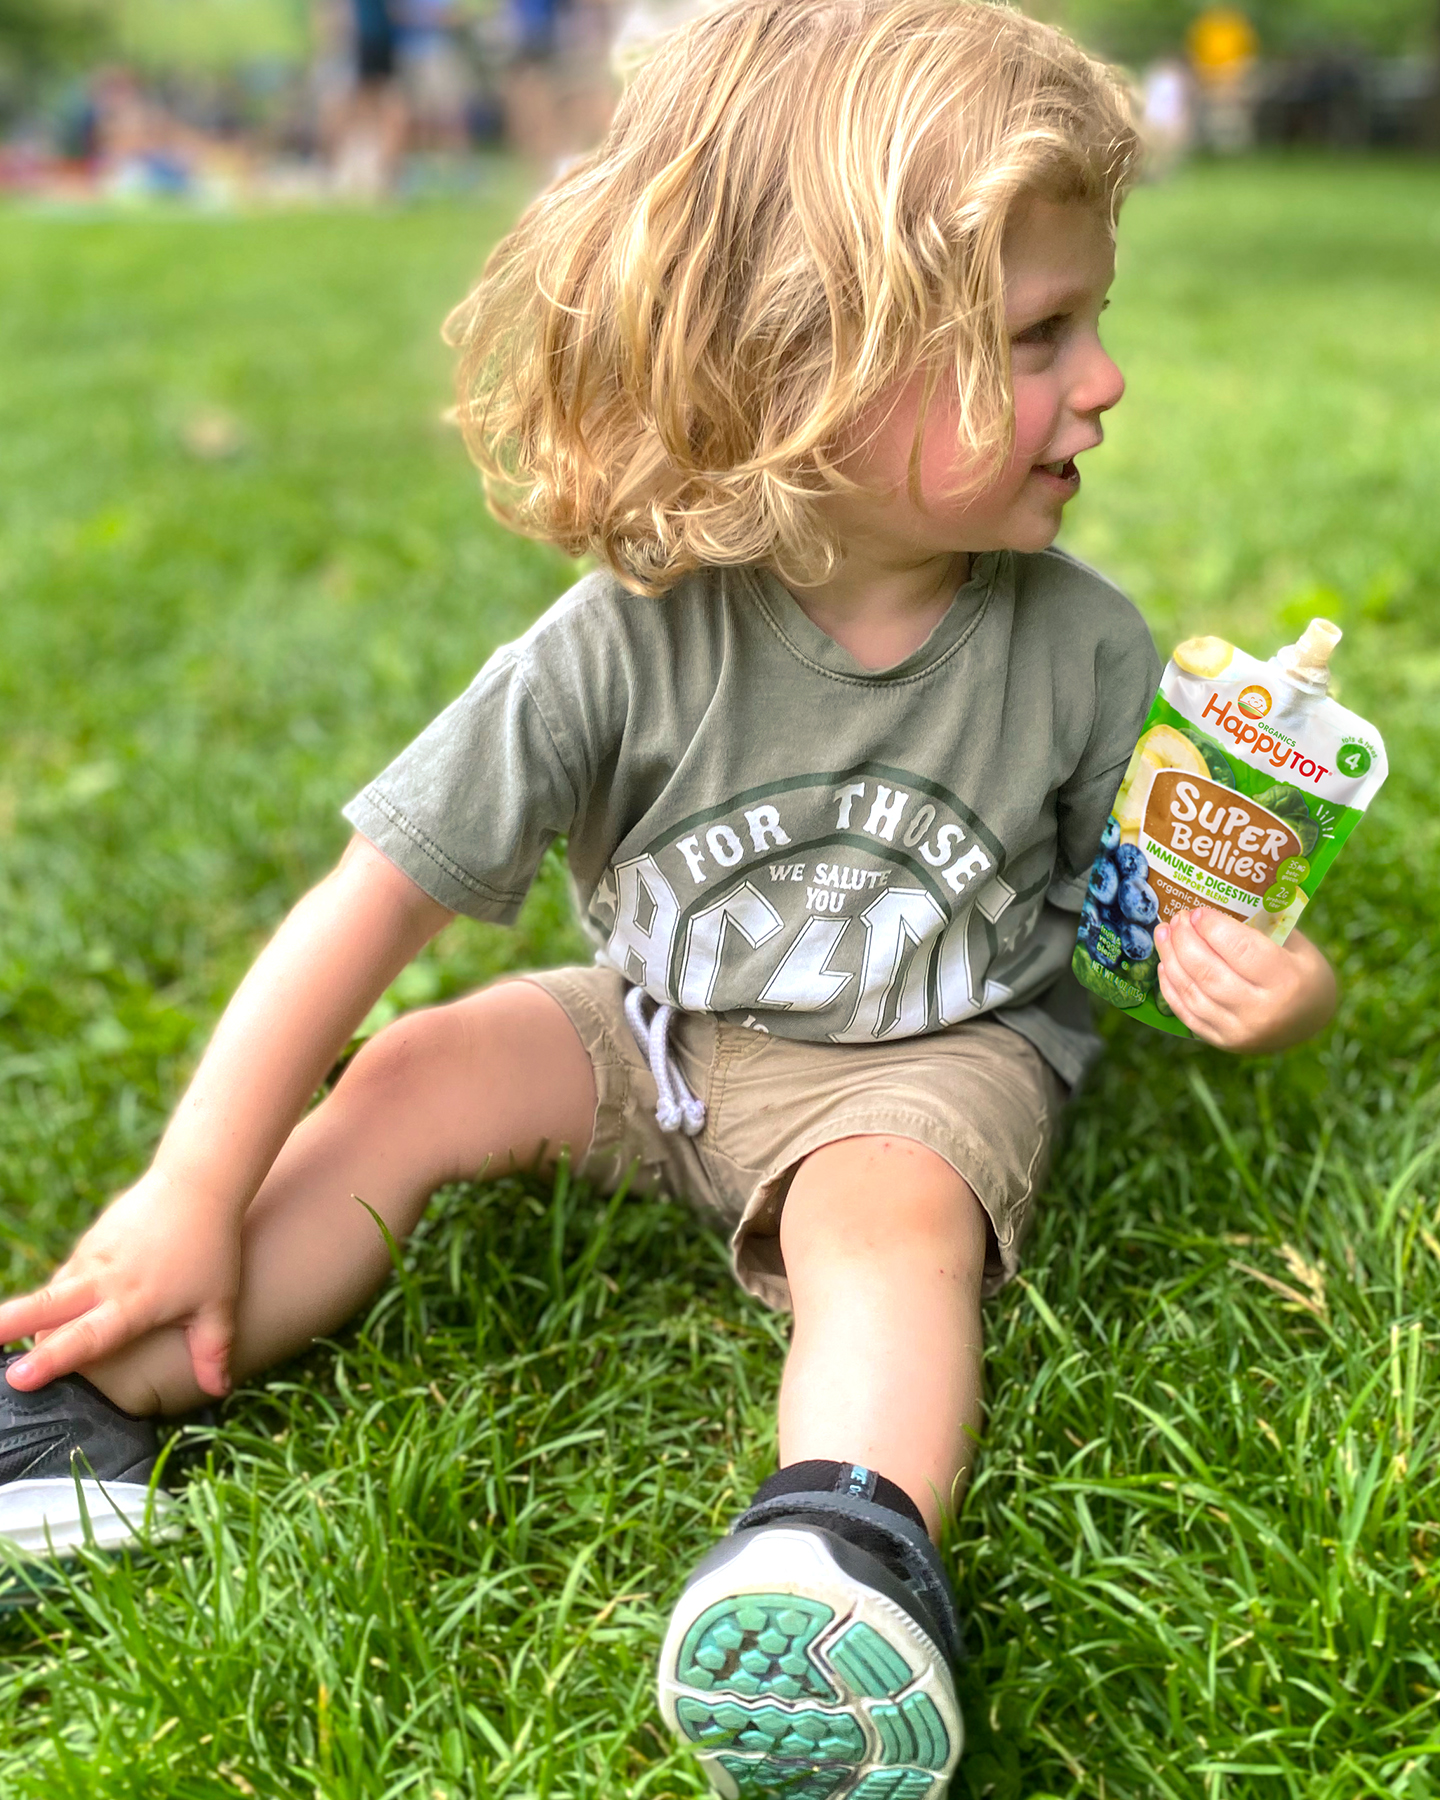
[799,205]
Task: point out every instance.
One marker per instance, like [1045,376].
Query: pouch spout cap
[1307,663]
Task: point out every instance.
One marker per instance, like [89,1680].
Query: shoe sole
[791,1680]
[48,1517]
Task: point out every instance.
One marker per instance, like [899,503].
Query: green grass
[433,1558]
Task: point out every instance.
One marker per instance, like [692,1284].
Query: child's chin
[1035,534]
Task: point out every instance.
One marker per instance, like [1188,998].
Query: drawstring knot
[678,1108]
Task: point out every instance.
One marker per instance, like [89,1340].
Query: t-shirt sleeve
[470,807]
[1127,673]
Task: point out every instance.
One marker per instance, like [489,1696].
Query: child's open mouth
[1064,474]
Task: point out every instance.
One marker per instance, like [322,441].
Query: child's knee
[432,1039]
[406,1051]
[883,1197]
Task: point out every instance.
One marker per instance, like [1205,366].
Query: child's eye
[1048,331]
[1044,331]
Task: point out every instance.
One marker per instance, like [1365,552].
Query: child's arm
[1236,989]
[167,1251]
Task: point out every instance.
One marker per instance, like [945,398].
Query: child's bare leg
[884,1247]
[885,1250]
[493,1081]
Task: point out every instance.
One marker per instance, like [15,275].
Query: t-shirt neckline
[806,640]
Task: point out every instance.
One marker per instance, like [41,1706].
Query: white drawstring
[678,1108]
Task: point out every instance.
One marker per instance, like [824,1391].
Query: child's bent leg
[495,1081]
[814,1645]
[884,1247]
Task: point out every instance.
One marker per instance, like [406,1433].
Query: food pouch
[1246,781]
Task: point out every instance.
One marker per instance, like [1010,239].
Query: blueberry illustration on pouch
[1136,942]
[1138,902]
[1115,952]
[1104,881]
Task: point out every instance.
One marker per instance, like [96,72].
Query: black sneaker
[800,1666]
[75,1469]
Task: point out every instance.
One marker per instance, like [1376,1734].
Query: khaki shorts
[978,1094]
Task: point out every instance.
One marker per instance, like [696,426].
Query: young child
[805,353]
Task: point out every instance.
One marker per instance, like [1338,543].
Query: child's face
[1059,263]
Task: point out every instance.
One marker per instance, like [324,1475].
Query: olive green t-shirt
[760,827]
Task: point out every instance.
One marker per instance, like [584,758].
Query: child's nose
[1103,385]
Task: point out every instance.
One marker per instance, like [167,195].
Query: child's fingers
[1247,951]
[1184,944]
[208,1338]
[71,1346]
[1201,988]
[1190,1003]
[44,1310]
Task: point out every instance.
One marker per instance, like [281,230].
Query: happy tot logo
[1254,701]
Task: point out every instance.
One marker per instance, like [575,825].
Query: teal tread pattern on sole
[894,1784]
[913,1732]
[757,1646]
[870,1664]
[772,1779]
[807,1734]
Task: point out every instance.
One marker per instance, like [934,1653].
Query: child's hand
[1236,989]
[155,1256]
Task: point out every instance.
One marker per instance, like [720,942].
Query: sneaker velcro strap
[907,1544]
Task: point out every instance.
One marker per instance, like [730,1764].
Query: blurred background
[221,102]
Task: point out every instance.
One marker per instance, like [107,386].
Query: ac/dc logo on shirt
[870,898]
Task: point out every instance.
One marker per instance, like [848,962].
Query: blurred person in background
[434,74]
[558,93]
[140,149]
[364,113]
[1223,50]
[1167,115]
[531,102]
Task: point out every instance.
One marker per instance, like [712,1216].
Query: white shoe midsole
[51,1516]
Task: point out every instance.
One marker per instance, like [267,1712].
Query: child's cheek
[945,469]
[1037,414]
